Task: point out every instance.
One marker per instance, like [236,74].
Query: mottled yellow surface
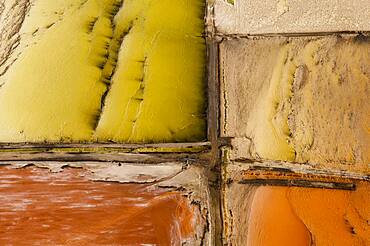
[270,126]
[106,70]
[300,99]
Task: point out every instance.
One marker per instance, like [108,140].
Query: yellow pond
[107,70]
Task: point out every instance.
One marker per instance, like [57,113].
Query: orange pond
[42,208]
[307,216]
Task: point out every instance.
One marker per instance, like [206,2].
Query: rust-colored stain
[42,208]
[286,177]
[306,216]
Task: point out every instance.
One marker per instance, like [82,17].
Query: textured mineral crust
[298,99]
[102,70]
[243,17]
[64,207]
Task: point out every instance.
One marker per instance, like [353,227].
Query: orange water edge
[307,216]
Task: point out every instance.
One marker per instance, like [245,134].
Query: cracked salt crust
[127,173]
[105,70]
[291,16]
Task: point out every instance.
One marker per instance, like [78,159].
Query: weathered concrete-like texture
[291,16]
[271,216]
[102,70]
[51,205]
[12,14]
[298,99]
